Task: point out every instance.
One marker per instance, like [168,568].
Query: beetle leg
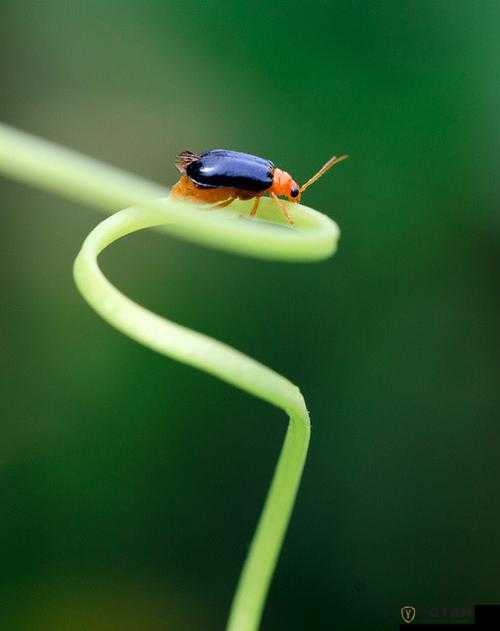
[256,203]
[222,204]
[282,207]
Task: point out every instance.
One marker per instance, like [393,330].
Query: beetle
[219,176]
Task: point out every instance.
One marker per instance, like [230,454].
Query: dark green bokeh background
[130,485]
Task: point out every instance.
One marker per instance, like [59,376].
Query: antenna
[326,167]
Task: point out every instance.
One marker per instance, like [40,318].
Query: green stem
[54,168]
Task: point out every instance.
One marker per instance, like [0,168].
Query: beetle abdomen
[219,168]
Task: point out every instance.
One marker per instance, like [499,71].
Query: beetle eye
[294,191]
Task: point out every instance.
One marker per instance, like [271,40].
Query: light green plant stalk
[54,168]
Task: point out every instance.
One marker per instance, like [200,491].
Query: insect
[218,177]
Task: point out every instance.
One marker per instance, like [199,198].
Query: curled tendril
[60,170]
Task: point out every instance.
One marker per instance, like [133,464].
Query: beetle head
[284,184]
[294,192]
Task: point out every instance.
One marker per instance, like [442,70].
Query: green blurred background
[130,485]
